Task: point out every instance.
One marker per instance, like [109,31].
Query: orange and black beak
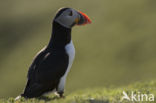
[83,19]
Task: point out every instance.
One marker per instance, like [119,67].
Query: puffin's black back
[49,65]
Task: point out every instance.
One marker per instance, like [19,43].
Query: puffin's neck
[60,36]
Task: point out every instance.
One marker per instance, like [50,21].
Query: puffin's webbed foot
[60,93]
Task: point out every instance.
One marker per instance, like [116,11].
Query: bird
[51,65]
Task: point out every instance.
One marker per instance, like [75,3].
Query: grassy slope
[96,95]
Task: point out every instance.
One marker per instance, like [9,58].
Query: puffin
[51,65]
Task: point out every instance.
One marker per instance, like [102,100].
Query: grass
[96,95]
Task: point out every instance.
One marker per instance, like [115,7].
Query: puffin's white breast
[70,50]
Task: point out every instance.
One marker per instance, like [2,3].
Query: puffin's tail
[19,97]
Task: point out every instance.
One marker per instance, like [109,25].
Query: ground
[95,95]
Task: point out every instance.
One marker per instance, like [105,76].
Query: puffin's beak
[83,19]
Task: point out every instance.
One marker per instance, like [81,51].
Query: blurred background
[118,48]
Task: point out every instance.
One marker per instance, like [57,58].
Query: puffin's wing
[45,72]
[35,63]
[48,65]
[52,67]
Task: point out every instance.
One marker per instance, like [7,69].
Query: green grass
[94,95]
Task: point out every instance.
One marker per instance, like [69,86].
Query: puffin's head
[69,17]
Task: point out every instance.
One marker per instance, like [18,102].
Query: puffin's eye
[71,13]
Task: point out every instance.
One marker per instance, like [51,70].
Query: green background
[118,48]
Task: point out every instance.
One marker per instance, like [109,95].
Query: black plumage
[49,65]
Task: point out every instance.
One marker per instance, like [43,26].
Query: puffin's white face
[68,17]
